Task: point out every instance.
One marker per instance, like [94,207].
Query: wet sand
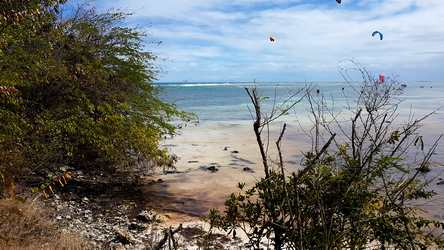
[230,147]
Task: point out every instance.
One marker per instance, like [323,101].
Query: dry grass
[27,226]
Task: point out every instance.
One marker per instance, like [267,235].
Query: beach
[212,159]
[215,155]
[221,124]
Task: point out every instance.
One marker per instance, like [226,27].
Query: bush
[353,191]
[84,94]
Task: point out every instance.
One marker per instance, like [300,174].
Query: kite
[381,78]
[381,36]
[272,39]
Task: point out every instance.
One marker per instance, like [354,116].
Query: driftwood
[168,236]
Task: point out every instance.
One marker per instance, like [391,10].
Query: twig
[166,236]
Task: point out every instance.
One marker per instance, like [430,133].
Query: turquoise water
[229,101]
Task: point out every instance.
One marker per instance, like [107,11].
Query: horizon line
[313,81]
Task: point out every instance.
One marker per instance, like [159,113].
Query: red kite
[381,78]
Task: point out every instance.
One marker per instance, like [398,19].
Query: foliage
[354,191]
[84,92]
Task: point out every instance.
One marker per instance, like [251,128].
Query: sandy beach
[212,159]
[230,150]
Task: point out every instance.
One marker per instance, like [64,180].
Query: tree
[355,185]
[85,97]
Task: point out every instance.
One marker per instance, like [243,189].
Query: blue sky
[220,40]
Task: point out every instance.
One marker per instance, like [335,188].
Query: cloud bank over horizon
[218,40]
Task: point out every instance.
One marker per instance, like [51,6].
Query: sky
[220,40]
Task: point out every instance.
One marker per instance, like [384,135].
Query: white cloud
[202,35]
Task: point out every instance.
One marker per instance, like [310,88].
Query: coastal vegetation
[356,184]
[77,96]
[77,93]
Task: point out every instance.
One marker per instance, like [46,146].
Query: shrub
[354,189]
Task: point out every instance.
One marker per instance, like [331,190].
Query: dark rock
[247,169]
[193,161]
[212,169]
[235,152]
[124,237]
[146,216]
[159,180]
[440,183]
[226,148]
[136,226]
[172,172]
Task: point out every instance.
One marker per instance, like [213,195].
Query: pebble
[112,228]
[212,169]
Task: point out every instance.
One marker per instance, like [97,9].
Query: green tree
[84,95]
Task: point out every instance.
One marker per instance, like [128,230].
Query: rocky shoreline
[108,221]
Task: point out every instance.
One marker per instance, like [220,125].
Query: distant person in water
[318,91]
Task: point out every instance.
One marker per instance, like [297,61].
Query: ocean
[229,101]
